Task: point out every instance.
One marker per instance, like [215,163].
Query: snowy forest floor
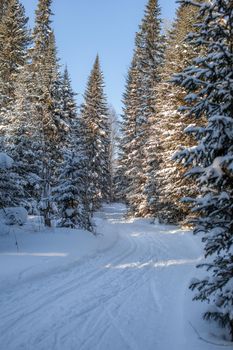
[127,288]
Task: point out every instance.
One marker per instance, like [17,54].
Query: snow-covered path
[131,296]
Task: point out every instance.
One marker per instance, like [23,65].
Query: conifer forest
[116,231]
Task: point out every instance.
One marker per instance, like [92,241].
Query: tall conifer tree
[209,82]
[23,140]
[130,156]
[43,71]
[96,135]
[148,57]
[14,40]
[70,190]
[166,184]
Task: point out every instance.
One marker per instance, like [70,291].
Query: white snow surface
[126,288]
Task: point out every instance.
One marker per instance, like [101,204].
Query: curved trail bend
[130,296]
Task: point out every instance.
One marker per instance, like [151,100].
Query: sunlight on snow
[153,264]
[63,255]
[135,235]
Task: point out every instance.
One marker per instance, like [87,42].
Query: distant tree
[209,81]
[114,139]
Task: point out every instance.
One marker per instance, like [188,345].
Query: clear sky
[85,27]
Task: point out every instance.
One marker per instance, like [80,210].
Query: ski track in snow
[130,296]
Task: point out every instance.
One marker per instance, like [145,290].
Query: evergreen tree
[55,105]
[14,39]
[44,69]
[23,140]
[166,185]
[150,48]
[41,31]
[209,82]
[130,156]
[48,102]
[70,191]
[25,136]
[96,135]
[148,57]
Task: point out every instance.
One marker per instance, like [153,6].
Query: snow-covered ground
[127,288]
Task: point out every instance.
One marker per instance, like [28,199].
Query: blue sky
[85,27]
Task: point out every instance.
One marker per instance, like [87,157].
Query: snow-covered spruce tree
[169,183]
[70,191]
[210,85]
[56,103]
[96,135]
[148,58]
[61,119]
[129,184]
[150,50]
[23,140]
[25,134]
[89,194]
[49,102]
[14,40]
[42,76]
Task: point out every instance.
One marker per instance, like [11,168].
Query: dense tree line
[54,173]
[176,147]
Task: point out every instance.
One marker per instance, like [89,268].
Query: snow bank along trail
[130,296]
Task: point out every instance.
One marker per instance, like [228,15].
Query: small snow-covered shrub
[14,216]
